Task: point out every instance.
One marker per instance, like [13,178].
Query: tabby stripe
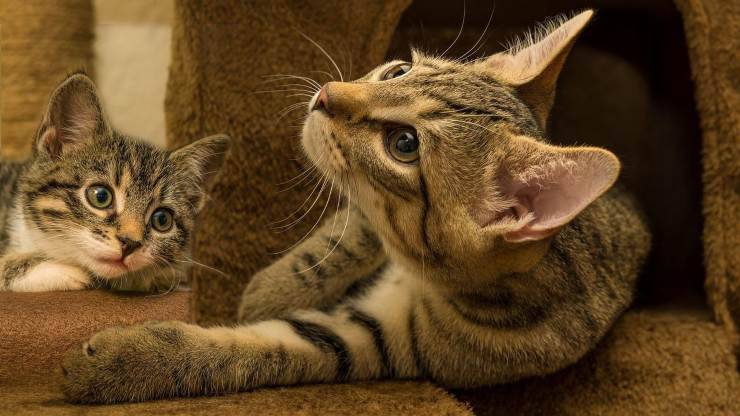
[364,284]
[325,340]
[400,192]
[424,216]
[390,214]
[376,330]
[467,109]
[54,185]
[527,317]
[55,213]
[421,367]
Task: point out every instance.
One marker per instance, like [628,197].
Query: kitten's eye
[403,145]
[99,197]
[396,71]
[162,220]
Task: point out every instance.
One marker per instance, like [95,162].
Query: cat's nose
[128,246]
[322,101]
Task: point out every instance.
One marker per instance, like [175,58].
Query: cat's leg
[355,341]
[317,272]
[30,272]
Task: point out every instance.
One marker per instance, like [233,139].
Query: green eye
[162,220]
[99,197]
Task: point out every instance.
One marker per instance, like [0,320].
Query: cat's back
[609,240]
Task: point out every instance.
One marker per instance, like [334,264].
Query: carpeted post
[222,55]
[42,41]
[713,36]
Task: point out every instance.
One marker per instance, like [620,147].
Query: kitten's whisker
[213,269]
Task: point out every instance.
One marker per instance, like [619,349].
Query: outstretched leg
[318,272]
[158,360]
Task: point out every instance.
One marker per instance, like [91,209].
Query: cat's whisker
[318,182]
[296,77]
[341,77]
[311,174]
[459,32]
[328,75]
[339,240]
[309,198]
[318,196]
[318,220]
[480,38]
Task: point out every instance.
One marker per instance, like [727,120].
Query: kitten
[93,207]
[475,253]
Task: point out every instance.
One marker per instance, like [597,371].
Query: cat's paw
[131,364]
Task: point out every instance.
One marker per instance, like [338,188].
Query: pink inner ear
[555,192]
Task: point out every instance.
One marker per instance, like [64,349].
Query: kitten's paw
[131,364]
[50,276]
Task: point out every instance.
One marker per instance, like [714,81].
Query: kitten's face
[114,206]
[447,158]
[109,203]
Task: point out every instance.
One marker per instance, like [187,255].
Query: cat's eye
[396,71]
[403,144]
[100,197]
[162,220]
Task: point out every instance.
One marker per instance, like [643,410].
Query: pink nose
[322,102]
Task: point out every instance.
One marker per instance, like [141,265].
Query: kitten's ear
[543,187]
[203,158]
[533,65]
[73,117]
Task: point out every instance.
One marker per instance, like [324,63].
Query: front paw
[130,364]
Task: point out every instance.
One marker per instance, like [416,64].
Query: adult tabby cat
[476,253]
[93,207]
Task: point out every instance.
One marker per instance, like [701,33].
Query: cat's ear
[533,64]
[73,117]
[540,188]
[203,158]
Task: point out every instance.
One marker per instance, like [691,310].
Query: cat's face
[111,204]
[447,158]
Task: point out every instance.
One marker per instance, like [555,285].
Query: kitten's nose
[128,246]
[322,101]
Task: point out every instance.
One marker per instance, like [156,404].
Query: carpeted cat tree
[627,87]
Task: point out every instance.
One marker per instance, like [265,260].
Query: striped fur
[52,238]
[425,282]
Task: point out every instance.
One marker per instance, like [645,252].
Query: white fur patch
[48,276]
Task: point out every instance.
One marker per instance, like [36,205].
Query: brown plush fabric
[713,34]
[377,399]
[38,328]
[652,363]
[42,41]
[220,57]
[35,329]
